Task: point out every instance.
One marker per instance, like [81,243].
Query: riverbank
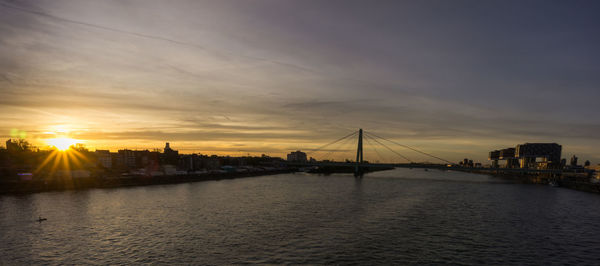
[575,181]
[33,186]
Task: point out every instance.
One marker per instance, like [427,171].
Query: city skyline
[456,79]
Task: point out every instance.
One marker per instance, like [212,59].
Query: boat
[40,219]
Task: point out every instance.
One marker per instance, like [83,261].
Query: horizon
[456,79]
[64,145]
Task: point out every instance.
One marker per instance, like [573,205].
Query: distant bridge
[429,166]
[359,164]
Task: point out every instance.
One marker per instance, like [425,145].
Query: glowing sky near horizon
[454,78]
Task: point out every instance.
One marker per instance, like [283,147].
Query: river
[401,216]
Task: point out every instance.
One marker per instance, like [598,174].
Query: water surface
[402,216]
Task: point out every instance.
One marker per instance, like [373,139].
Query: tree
[18,145]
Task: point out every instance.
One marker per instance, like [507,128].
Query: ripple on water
[401,216]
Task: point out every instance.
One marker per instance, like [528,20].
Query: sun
[62,144]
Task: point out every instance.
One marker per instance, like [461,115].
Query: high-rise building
[297,156]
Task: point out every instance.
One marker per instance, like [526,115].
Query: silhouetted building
[126,159]
[549,153]
[211,163]
[104,158]
[191,162]
[466,163]
[167,148]
[146,159]
[508,155]
[4,164]
[170,156]
[494,156]
[574,161]
[296,156]
[526,155]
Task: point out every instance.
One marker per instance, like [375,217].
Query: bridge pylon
[359,153]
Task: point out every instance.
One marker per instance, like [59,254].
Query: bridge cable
[411,148]
[351,150]
[406,158]
[374,148]
[353,142]
[340,145]
[333,142]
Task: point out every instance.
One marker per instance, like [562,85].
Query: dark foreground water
[401,216]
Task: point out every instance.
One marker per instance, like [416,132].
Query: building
[494,156]
[528,155]
[126,159]
[574,161]
[104,158]
[466,163]
[190,162]
[508,155]
[210,163]
[297,156]
[170,156]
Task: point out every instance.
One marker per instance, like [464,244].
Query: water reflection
[401,216]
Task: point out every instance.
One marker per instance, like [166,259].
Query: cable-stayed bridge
[375,145]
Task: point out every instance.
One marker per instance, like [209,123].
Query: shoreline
[35,186]
[570,181]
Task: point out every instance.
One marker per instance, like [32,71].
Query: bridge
[375,141]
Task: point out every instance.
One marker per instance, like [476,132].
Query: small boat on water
[40,219]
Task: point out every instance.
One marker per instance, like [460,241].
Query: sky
[452,78]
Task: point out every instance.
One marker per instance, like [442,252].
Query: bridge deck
[433,166]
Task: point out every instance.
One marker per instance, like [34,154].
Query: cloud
[297,74]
